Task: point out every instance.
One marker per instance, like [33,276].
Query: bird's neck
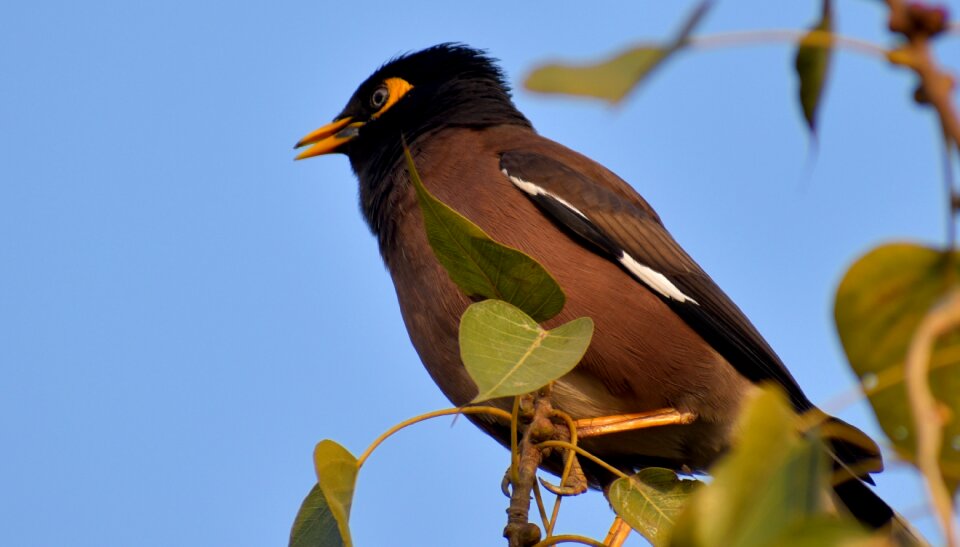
[384,186]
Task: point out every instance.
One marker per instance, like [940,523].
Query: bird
[666,335]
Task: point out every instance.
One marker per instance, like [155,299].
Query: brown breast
[643,356]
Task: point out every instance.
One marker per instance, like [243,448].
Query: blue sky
[185,311]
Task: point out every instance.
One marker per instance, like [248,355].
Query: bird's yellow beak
[328,138]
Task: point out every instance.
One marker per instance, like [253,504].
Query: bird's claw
[506,484]
[571,490]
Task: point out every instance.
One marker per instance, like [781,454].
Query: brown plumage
[642,357]
[665,335]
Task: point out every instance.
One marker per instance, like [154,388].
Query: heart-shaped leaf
[828,530]
[650,501]
[507,353]
[480,266]
[880,303]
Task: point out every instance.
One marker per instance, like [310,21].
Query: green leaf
[650,501]
[610,80]
[812,62]
[829,530]
[614,78]
[507,353]
[770,480]
[315,524]
[480,266]
[880,303]
[325,513]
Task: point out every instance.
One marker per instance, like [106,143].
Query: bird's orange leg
[604,425]
[618,533]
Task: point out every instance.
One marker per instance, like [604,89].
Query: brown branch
[520,532]
[542,435]
[918,24]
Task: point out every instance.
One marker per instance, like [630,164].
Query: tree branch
[927,419]
[520,532]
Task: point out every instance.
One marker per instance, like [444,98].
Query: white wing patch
[650,277]
[654,279]
[535,190]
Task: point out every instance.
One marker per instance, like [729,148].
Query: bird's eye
[379,97]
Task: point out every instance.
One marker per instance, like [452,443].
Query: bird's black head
[409,98]
[414,95]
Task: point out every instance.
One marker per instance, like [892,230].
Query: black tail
[863,503]
[872,511]
[855,457]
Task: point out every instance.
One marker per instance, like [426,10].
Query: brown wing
[625,228]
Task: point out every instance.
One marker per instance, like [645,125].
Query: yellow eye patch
[396,89]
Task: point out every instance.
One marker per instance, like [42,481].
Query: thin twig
[554,515]
[542,508]
[514,441]
[585,454]
[572,428]
[808,37]
[567,466]
[569,538]
[435,414]
[927,420]
[952,198]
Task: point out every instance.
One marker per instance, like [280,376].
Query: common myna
[666,336]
